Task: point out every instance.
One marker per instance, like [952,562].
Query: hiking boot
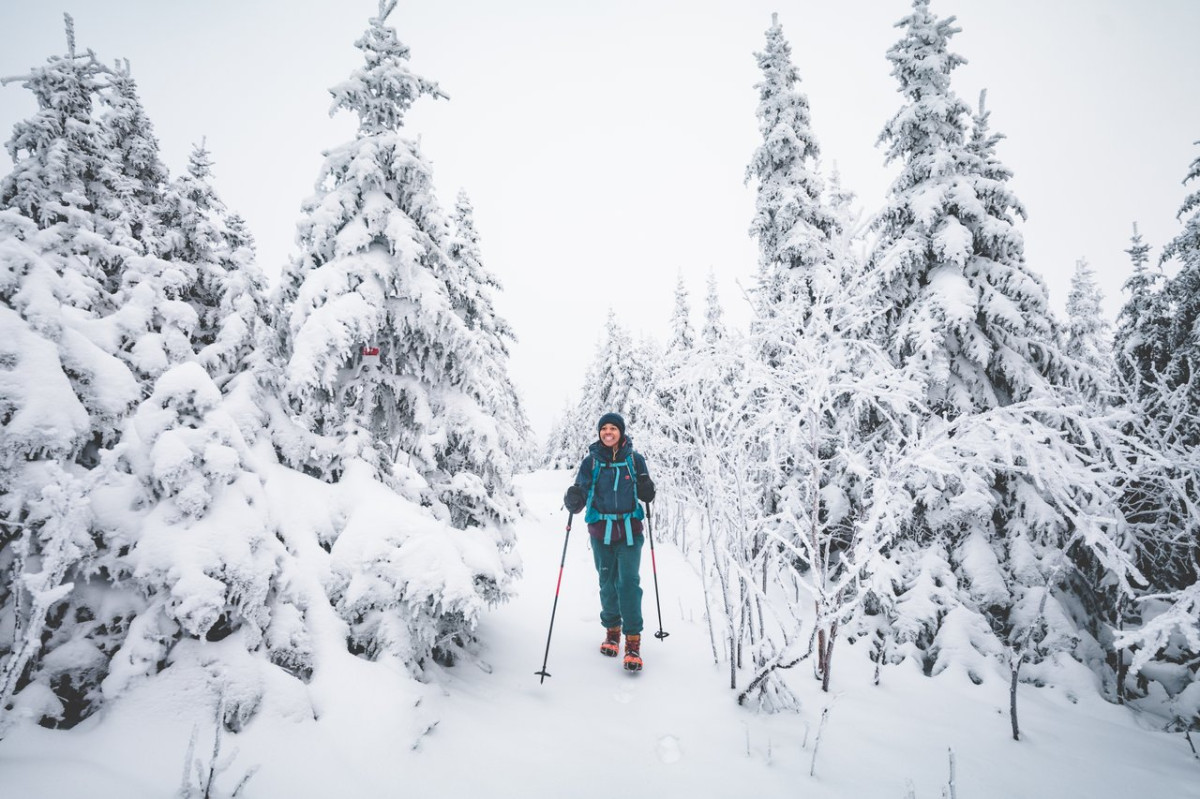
[633,653]
[612,642]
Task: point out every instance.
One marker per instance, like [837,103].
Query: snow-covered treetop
[1187,242]
[682,336]
[933,118]
[60,155]
[383,90]
[714,323]
[791,223]
[1088,331]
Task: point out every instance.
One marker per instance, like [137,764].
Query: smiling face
[610,435]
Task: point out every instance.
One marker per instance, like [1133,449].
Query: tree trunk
[828,656]
[821,666]
[712,636]
[1015,666]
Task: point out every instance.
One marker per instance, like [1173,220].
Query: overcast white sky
[604,144]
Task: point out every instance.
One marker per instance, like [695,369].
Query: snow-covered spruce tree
[792,225]
[472,288]
[562,450]
[1141,339]
[661,402]
[683,335]
[201,545]
[658,434]
[713,329]
[804,260]
[227,290]
[1182,297]
[170,299]
[609,384]
[1088,332]
[966,317]
[371,284]
[1170,428]
[370,277]
[964,310]
[143,176]
[67,176]
[1154,504]
[65,232]
[572,432]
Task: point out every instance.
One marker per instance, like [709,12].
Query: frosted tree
[839,415]
[143,174]
[683,336]
[369,286]
[1088,333]
[66,177]
[1182,298]
[702,502]
[609,383]
[713,329]
[212,254]
[791,223]
[240,337]
[658,409]
[811,504]
[849,249]
[1154,503]
[78,227]
[42,551]
[573,431]
[472,289]
[965,311]
[964,315]
[562,450]
[1164,499]
[1140,342]
[203,550]
[383,372]
[192,313]
[169,299]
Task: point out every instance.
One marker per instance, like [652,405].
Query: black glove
[645,488]
[574,499]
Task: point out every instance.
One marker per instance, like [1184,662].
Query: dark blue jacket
[604,456]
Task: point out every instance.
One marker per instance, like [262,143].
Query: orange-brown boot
[612,642]
[633,653]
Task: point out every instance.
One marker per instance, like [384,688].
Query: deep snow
[592,730]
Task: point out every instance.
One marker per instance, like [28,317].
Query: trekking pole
[544,674]
[654,567]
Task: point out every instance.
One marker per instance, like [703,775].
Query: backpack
[613,496]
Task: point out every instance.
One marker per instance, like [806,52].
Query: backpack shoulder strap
[592,484]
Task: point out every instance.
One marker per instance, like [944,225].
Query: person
[611,480]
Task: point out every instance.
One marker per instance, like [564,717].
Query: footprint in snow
[668,749]
[623,695]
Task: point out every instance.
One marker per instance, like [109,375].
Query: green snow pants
[620,586]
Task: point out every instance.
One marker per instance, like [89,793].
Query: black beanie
[614,419]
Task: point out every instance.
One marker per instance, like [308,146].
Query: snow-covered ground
[592,730]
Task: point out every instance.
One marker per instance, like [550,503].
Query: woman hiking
[611,480]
